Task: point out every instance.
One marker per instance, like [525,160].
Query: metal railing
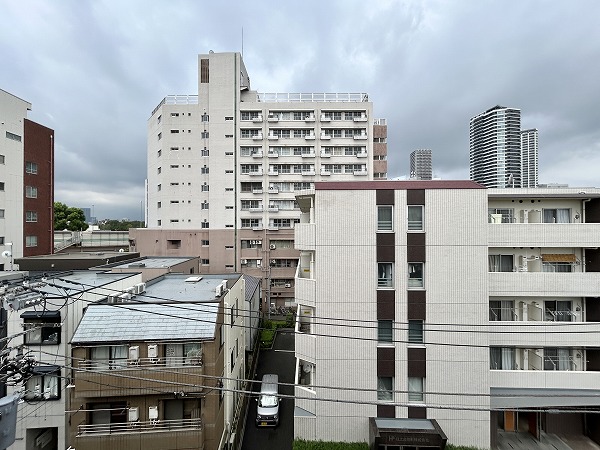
[149,426]
[313,97]
[121,364]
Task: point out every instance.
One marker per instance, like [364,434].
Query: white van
[267,411]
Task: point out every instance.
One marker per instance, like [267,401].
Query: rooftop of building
[84,255]
[130,322]
[396,185]
[186,288]
[545,192]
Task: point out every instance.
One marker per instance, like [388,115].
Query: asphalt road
[279,360]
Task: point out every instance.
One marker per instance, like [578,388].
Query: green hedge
[457,447]
[320,445]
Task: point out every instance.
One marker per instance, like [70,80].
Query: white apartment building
[529,158]
[383,300]
[224,167]
[421,307]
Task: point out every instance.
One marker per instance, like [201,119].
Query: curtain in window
[494,263]
[563,215]
[564,360]
[415,217]
[119,355]
[415,389]
[100,355]
[549,216]
[385,388]
[508,359]
[50,386]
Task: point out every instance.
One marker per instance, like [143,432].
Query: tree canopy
[120,225]
[69,218]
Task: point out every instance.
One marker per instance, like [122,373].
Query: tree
[69,218]
[123,225]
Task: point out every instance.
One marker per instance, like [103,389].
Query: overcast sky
[95,70]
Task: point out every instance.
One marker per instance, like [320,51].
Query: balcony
[544,234]
[143,377]
[360,137]
[361,119]
[305,290]
[163,434]
[534,284]
[325,118]
[325,154]
[257,119]
[309,118]
[256,209]
[360,173]
[325,136]
[257,154]
[325,172]
[273,208]
[273,172]
[309,137]
[272,154]
[308,172]
[257,137]
[257,191]
[308,155]
[544,334]
[273,190]
[361,155]
[256,173]
[272,118]
[305,346]
[273,137]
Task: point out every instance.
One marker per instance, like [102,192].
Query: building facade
[495,147]
[529,158]
[398,303]
[378,308]
[420,165]
[26,182]
[224,167]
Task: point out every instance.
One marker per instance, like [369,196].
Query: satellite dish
[6,254]
[121,250]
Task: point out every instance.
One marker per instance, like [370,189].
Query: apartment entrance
[405,434]
[521,421]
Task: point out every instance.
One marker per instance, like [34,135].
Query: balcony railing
[119,364]
[151,426]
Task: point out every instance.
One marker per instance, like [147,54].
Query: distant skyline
[94,71]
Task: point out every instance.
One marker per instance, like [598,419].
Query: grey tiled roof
[123,322]
[252,284]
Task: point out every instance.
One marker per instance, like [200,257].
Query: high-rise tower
[420,164]
[529,158]
[495,147]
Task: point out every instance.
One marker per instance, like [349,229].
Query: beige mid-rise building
[224,167]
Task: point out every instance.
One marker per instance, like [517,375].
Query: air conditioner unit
[273,262]
[244,262]
[152,351]
[133,414]
[153,412]
[288,285]
[219,290]
[140,288]
[134,353]
[112,299]
[132,290]
[272,246]
[124,298]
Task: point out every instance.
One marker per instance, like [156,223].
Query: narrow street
[279,360]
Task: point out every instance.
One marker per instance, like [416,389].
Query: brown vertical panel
[415,197]
[204,77]
[417,362]
[386,306]
[386,411]
[386,361]
[415,251]
[386,250]
[417,412]
[384,197]
[417,305]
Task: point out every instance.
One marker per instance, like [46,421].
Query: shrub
[320,445]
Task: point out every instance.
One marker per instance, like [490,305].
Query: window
[108,413]
[416,389]
[189,354]
[502,358]
[31,167]
[558,359]
[204,117]
[158,204]
[204,170]
[205,187]
[159,137]
[251,223]
[501,263]
[204,205]
[30,216]
[251,244]
[558,311]
[204,152]
[30,191]
[204,70]
[385,275]
[205,242]
[384,218]
[205,262]
[44,384]
[204,135]
[158,187]
[41,328]
[174,131]
[560,215]
[173,243]
[415,275]
[13,136]
[109,357]
[204,224]
[502,310]
[385,389]
[1,214]
[384,331]
[415,331]
[2,158]
[415,218]
[30,241]
[557,267]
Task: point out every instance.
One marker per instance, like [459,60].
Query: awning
[41,370]
[409,432]
[41,315]
[559,257]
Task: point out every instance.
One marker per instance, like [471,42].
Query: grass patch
[267,332]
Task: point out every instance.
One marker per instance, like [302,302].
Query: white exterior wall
[456,238]
[13,111]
